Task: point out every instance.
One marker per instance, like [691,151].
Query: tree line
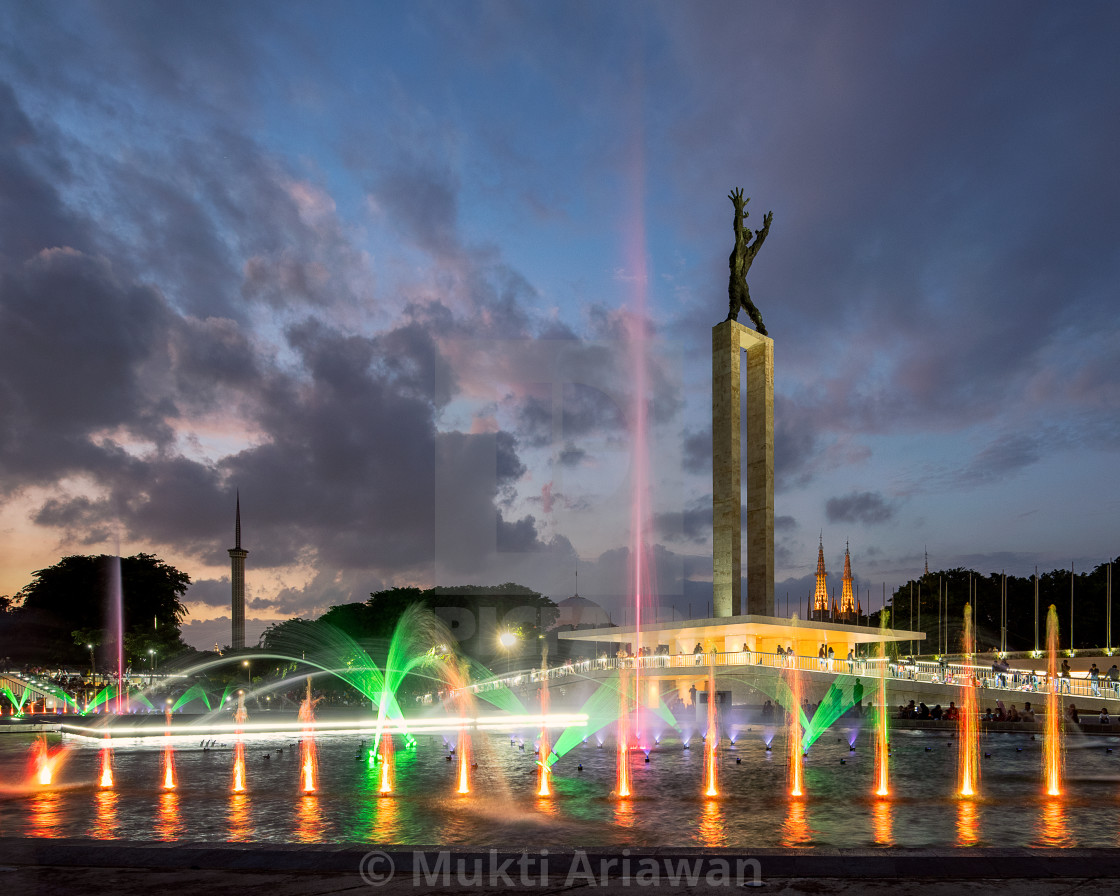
[1082,623]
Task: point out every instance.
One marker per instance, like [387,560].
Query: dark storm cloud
[74,345]
[859,507]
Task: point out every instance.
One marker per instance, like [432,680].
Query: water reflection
[169,823]
[712,824]
[968,823]
[46,814]
[386,821]
[882,822]
[309,820]
[105,815]
[795,828]
[1052,829]
[240,818]
[624,813]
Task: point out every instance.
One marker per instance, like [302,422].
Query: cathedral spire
[820,596]
[847,599]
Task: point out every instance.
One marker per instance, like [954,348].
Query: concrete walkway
[67,867]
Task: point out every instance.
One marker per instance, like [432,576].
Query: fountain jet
[968,726]
[168,757]
[711,743]
[1052,738]
[239,719]
[309,759]
[882,754]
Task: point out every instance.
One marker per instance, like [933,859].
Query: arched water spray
[1052,752]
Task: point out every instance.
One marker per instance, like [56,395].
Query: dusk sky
[377,267]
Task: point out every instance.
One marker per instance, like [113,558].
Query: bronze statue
[740,261]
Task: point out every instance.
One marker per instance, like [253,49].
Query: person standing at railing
[1114,679]
[1095,680]
[851,660]
[1066,684]
[698,653]
[831,660]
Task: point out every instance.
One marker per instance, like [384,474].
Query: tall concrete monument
[237,557]
[729,339]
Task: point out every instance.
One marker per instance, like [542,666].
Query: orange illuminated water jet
[882,741]
[41,759]
[622,787]
[239,718]
[106,779]
[793,733]
[1052,739]
[386,763]
[968,724]
[545,747]
[464,748]
[168,758]
[711,756]
[309,758]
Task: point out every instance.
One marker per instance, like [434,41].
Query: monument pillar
[729,338]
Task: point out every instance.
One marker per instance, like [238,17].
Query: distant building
[579,612]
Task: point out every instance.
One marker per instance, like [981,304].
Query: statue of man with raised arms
[740,261]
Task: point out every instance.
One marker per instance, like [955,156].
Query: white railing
[926,671]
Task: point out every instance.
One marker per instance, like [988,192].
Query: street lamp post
[152,671]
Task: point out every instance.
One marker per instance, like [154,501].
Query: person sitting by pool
[1072,715]
[988,717]
[923,711]
[1104,719]
[951,712]
[1013,714]
[1027,715]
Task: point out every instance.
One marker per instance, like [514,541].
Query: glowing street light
[507,639]
[152,672]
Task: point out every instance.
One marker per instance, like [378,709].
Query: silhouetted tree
[75,595]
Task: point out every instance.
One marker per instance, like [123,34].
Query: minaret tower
[820,597]
[847,599]
[237,556]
